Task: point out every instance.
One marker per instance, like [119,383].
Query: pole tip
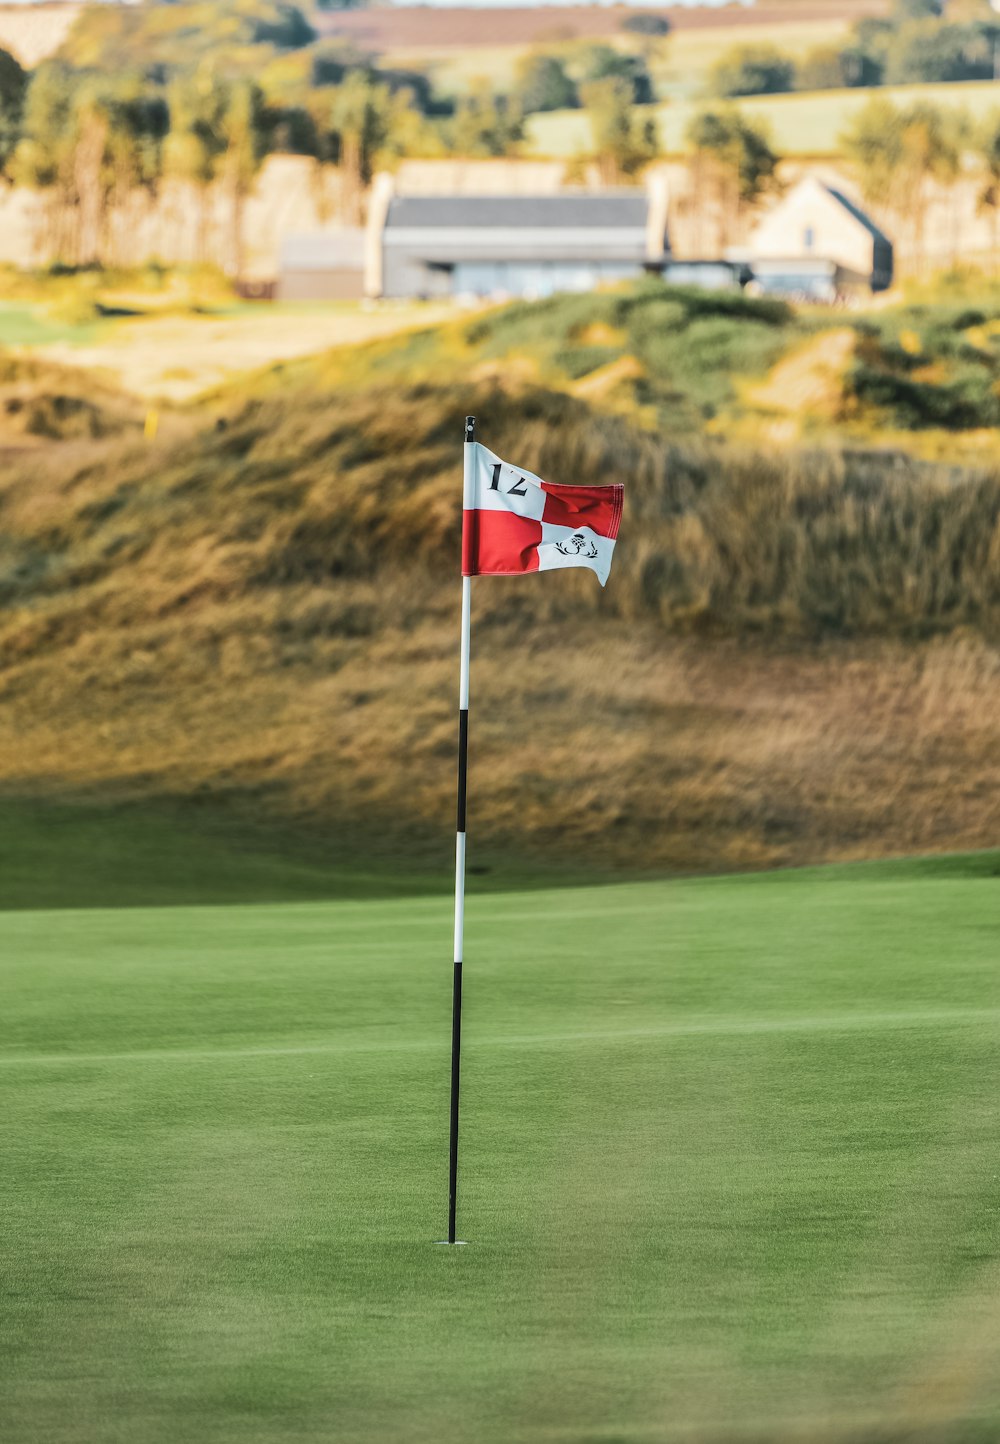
[470,428]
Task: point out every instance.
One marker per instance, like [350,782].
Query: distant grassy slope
[261,616]
[679,66]
[727,1168]
[923,377]
[800,124]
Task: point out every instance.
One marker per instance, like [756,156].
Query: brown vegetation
[41,402]
[791,662]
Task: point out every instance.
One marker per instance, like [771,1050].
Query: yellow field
[808,124]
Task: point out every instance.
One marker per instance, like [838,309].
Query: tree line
[203,93]
[918,42]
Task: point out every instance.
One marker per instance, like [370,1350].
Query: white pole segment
[459,895]
[463,674]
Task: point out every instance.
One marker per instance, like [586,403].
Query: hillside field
[727,1167]
[800,124]
[680,65]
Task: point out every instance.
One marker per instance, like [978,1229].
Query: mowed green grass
[799,124]
[730,1169]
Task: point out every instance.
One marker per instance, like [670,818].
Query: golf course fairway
[730,1166]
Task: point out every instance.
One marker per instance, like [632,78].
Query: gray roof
[626,209]
[858,214]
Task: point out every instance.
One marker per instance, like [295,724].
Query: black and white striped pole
[468,519]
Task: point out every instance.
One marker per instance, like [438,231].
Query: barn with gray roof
[496,245]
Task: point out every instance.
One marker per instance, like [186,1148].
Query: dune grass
[727,1166]
[265,613]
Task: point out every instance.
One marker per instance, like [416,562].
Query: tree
[652,31]
[624,141]
[988,151]
[752,70]
[90,142]
[243,129]
[904,10]
[830,67]
[486,124]
[542,84]
[929,51]
[13,85]
[647,24]
[929,151]
[603,62]
[361,119]
[733,163]
[164,38]
[196,142]
[898,153]
[872,145]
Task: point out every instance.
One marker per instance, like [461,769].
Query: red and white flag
[514,522]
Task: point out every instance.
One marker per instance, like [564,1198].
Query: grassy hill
[923,377]
[252,623]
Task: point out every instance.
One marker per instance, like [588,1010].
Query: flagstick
[463,773]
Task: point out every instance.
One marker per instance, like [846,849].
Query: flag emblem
[578,546]
[515,523]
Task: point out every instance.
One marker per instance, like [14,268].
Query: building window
[809,238]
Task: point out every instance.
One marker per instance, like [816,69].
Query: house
[512,245]
[818,242]
[468,246]
[327,266]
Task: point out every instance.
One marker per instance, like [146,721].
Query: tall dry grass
[795,657]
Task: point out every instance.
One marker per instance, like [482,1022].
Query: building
[513,245]
[432,247]
[327,266]
[817,242]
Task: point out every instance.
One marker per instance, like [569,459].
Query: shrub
[542,84]
[752,70]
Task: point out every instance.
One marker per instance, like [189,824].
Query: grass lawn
[22,325]
[729,1170]
[806,124]
[175,356]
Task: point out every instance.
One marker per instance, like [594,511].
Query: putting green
[729,1168]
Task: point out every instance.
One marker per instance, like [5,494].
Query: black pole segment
[463,765]
[456,1055]
[470,428]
